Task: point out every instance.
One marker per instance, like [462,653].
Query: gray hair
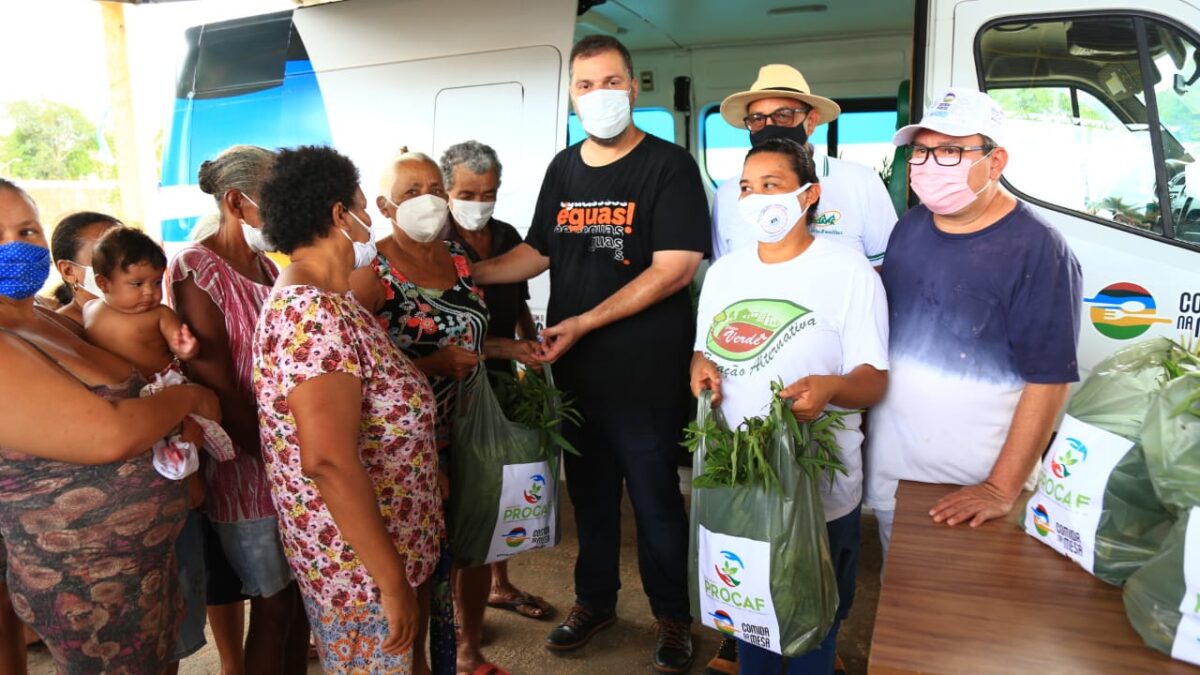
[241,167]
[477,157]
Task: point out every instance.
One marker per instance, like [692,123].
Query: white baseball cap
[958,112]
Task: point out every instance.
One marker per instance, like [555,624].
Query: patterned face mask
[24,268]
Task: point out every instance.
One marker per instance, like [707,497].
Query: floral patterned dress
[421,321]
[305,332]
[89,556]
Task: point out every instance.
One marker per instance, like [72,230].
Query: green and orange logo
[746,328]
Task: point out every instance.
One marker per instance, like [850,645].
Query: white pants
[885,519]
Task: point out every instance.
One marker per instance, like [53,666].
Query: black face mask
[772,132]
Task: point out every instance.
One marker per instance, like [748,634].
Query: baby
[130,321]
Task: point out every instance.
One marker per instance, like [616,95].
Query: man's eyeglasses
[784,117]
[945,155]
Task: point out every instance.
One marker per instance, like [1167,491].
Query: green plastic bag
[1172,439]
[1162,599]
[505,498]
[1095,502]
[760,569]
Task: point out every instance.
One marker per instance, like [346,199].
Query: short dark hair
[799,158]
[123,246]
[598,44]
[65,243]
[299,195]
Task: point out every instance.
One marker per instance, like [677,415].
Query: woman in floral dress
[347,427]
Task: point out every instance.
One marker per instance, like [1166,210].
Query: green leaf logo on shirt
[746,328]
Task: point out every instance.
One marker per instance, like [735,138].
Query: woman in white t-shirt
[811,313]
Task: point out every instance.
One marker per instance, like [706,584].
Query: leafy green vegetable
[533,402]
[739,456]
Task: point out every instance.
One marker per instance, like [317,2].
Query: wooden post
[124,129]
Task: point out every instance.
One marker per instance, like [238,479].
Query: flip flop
[524,600]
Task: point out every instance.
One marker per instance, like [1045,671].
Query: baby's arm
[179,337]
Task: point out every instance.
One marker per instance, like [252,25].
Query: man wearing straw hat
[855,207]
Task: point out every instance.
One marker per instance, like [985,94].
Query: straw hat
[776,81]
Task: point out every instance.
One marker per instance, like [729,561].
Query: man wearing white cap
[984,300]
[855,207]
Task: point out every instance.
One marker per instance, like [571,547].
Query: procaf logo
[1123,311]
[744,329]
[515,537]
[1062,463]
[729,568]
[723,622]
[1041,520]
[534,494]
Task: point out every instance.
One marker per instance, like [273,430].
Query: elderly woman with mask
[421,288]
[218,286]
[471,171]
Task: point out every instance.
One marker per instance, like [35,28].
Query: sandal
[525,604]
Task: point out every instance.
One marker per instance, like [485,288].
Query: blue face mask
[24,268]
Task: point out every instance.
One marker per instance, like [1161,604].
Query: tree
[49,141]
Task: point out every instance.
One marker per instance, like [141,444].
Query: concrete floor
[516,642]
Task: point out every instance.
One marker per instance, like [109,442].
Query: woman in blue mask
[88,526]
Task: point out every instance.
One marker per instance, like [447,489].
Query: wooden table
[993,600]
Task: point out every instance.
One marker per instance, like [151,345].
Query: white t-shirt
[855,209]
[821,313]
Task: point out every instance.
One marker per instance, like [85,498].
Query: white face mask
[421,218]
[772,216]
[473,216]
[364,251]
[604,113]
[89,281]
[254,235]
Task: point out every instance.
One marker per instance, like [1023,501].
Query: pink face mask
[944,189]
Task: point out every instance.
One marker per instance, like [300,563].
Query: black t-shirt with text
[600,227]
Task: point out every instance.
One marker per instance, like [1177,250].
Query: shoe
[725,660]
[579,627]
[673,646]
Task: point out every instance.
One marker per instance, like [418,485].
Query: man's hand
[705,376]
[810,395]
[523,351]
[402,613]
[975,503]
[183,344]
[557,339]
[453,362]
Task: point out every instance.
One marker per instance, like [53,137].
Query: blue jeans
[637,451]
[844,540]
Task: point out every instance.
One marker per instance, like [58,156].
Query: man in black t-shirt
[621,223]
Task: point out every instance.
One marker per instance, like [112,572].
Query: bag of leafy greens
[760,568]
[1172,439]
[505,495]
[1162,599]
[1094,501]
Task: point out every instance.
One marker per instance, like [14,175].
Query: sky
[54,49]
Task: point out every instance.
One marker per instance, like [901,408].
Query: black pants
[639,450]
